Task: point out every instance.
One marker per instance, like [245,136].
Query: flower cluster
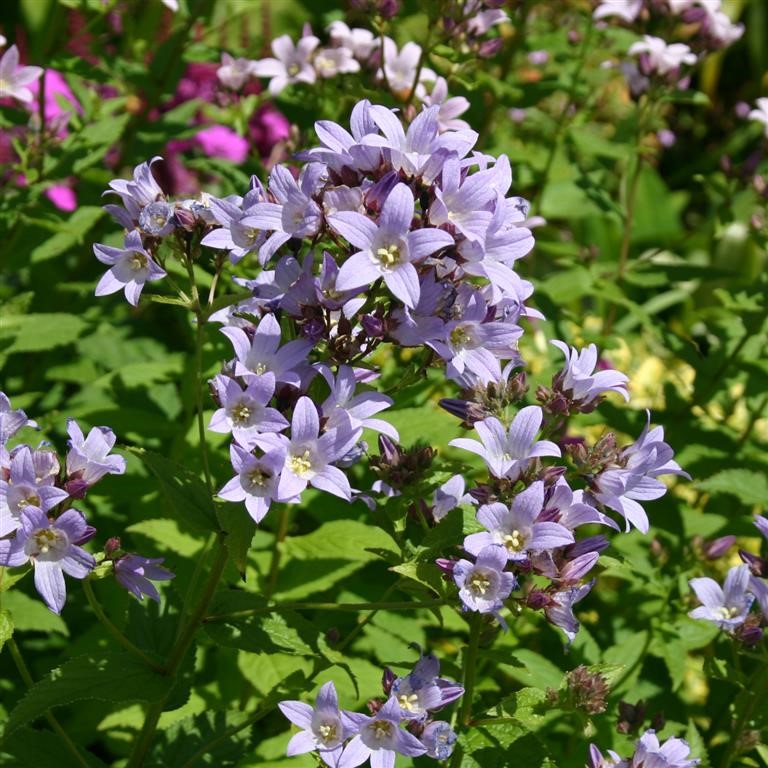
[39,526]
[402,723]
[673,753]
[419,238]
[729,606]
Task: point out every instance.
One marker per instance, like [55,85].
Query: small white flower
[761,113]
[234,73]
[291,65]
[662,57]
[14,79]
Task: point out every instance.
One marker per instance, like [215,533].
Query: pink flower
[62,196]
[218,141]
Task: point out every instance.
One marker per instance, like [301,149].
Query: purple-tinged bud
[466,410]
[112,545]
[580,566]
[379,192]
[388,9]
[714,549]
[389,450]
[387,679]
[595,543]
[631,717]
[438,737]
[758,566]
[446,565]
[489,48]
[76,487]
[749,633]
[666,137]
[538,599]
[87,535]
[742,109]
[185,218]
[313,329]
[658,721]
[373,326]
[551,475]
[574,37]
[374,705]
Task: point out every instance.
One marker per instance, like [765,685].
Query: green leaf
[105,676]
[180,743]
[341,540]
[239,527]
[69,234]
[43,748]
[8,578]
[187,495]
[39,332]
[30,615]
[749,487]
[503,745]
[6,627]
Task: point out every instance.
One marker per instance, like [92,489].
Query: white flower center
[380,729]
[409,702]
[240,414]
[46,540]
[300,465]
[293,69]
[260,368]
[514,541]
[327,732]
[478,583]
[388,257]
[724,612]
[250,234]
[257,478]
[137,261]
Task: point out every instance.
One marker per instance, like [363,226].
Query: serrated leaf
[8,578]
[749,487]
[186,494]
[505,745]
[43,748]
[107,677]
[181,742]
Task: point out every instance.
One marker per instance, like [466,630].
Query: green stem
[755,692]
[562,120]
[114,631]
[274,565]
[401,605]
[18,660]
[470,668]
[176,656]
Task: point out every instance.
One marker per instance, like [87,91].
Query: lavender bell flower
[309,455]
[560,610]
[244,413]
[438,737]
[449,496]
[673,753]
[11,421]
[579,380]
[263,353]
[422,691]
[136,574]
[484,585]
[508,452]
[515,529]
[643,462]
[256,480]
[379,738]
[25,488]
[130,268]
[51,547]
[323,727]
[135,194]
[388,249]
[88,459]
[728,606]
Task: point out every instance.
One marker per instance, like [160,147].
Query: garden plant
[383,382]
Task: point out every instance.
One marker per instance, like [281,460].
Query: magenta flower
[130,268]
[136,574]
[388,249]
[51,547]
